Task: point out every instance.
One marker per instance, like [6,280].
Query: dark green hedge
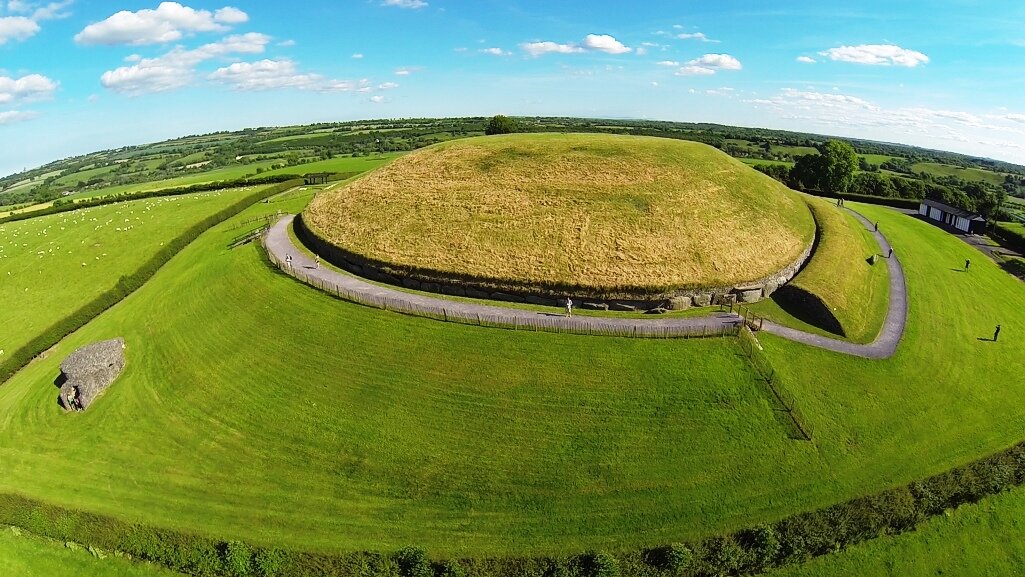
[121,197]
[1011,239]
[127,284]
[792,540]
[883,200]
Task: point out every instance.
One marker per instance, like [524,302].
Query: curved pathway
[279,245]
[893,326]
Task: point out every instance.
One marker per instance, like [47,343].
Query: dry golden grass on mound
[593,210]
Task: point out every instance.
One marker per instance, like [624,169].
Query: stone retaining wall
[625,299]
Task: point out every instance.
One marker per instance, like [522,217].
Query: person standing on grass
[569,307]
[996,334]
[967,263]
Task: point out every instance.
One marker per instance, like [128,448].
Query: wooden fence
[783,397]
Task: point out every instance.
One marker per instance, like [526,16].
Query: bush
[723,556]
[413,562]
[236,558]
[761,545]
[449,568]
[672,558]
[500,125]
[597,564]
[269,562]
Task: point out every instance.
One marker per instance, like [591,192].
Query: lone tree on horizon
[840,162]
[500,124]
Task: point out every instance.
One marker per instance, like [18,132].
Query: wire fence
[783,397]
[404,303]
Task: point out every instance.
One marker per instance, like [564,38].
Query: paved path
[279,245]
[893,326]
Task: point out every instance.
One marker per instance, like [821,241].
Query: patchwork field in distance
[51,265]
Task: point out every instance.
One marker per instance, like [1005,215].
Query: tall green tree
[500,125]
[840,162]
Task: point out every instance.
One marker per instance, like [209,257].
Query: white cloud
[694,71]
[406,70]
[877,54]
[414,4]
[592,42]
[176,68]
[696,36]
[12,116]
[708,65]
[495,51]
[670,63]
[17,28]
[641,51]
[26,89]
[806,59]
[387,85]
[605,43]
[286,43]
[377,99]
[169,22]
[536,49]
[357,56]
[1015,117]
[271,74]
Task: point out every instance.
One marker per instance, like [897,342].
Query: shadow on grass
[806,307]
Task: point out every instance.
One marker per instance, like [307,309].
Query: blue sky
[78,75]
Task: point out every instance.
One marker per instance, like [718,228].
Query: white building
[962,220]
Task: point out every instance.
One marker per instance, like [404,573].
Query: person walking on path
[318,263]
[569,307]
[890,253]
[967,263]
[288,261]
[996,334]
[877,226]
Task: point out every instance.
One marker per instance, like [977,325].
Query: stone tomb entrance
[87,373]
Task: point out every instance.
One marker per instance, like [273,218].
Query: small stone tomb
[87,372]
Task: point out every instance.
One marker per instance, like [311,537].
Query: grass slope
[979,539]
[23,555]
[838,285]
[254,407]
[370,429]
[52,265]
[587,210]
[969,174]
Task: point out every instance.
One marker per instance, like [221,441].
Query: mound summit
[587,215]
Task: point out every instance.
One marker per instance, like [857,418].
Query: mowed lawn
[22,555]
[52,265]
[984,538]
[254,407]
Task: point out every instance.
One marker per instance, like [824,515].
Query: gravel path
[893,327]
[279,245]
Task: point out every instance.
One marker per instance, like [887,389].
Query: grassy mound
[839,291]
[298,420]
[570,210]
[52,265]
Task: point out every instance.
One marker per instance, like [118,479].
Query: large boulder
[87,372]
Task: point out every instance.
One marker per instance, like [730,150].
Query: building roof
[952,210]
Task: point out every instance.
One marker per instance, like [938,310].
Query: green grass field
[83,176]
[340,164]
[969,174]
[978,539]
[295,419]
[876,159]
[54,264]
[23,555]
[838,282]
[228,173]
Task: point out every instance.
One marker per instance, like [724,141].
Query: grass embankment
[54,264]
[838,291]
[254,407]
[979,539]
[575,210]
[24,555]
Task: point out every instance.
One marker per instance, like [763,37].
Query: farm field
[293,455]
[975,539]
[51,265]
[537,209]
[27,556]
[964,173]
[340,164]
[230,173]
